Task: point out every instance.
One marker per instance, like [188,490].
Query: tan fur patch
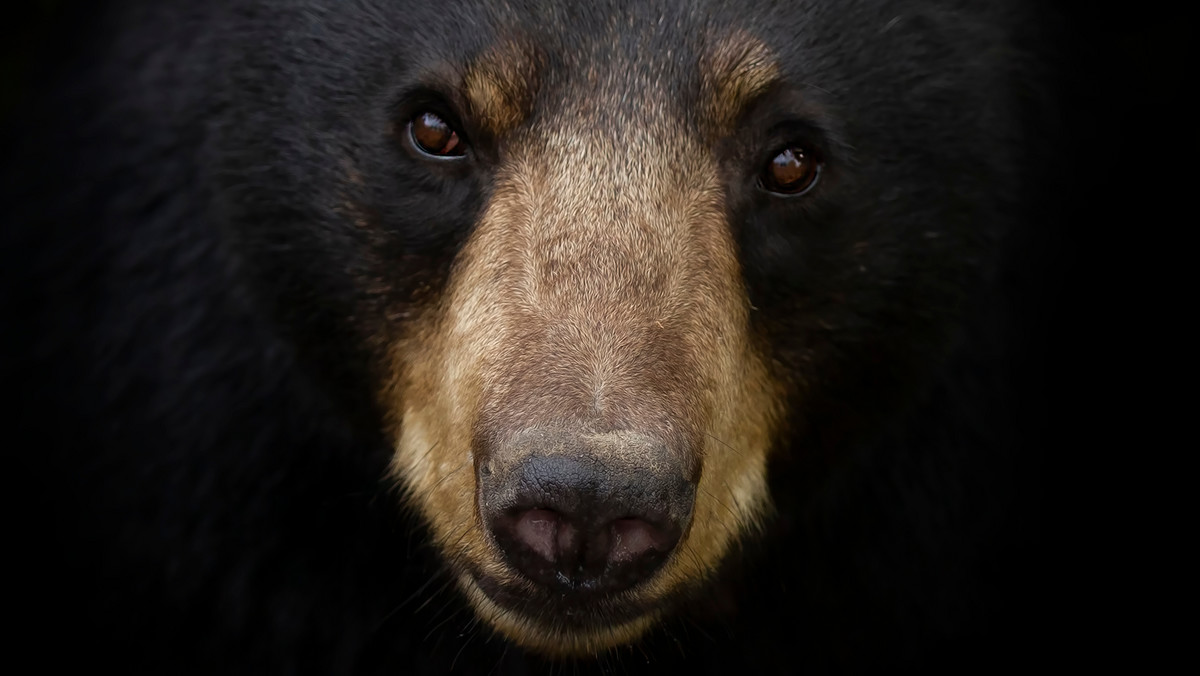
[737,70]
[500,86]
[601,291]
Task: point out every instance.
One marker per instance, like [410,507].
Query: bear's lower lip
[581,609]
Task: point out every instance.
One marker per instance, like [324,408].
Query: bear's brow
[737,69]
[500,85]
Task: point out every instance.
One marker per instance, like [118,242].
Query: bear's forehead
[630,78]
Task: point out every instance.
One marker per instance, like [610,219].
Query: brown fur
[738,69]
[600,291]
[500,86]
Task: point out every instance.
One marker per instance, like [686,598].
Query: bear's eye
[792,171]
[432,136]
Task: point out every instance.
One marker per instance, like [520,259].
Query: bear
[386,337]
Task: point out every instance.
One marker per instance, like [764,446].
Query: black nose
[585,522]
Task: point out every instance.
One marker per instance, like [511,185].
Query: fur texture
[256,337]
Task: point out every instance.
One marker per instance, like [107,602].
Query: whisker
[721,441]
[470,634]
[420,590]
[434,595]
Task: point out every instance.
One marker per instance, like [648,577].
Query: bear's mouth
[558,625]
[582,609]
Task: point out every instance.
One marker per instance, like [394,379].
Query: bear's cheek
[585,416]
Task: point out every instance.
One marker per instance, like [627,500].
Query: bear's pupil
[433,135]
[791,171]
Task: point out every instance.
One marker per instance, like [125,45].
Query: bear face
[638,238]
[615,283]
[601,323]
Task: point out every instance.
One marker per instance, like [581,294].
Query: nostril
[632,538]
[544,533]
[578,551]
[579,525]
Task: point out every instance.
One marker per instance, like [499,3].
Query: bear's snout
[585,513]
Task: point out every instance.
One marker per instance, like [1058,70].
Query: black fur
[193,322]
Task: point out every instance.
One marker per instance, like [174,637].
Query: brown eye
[433,136]
[793,171]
